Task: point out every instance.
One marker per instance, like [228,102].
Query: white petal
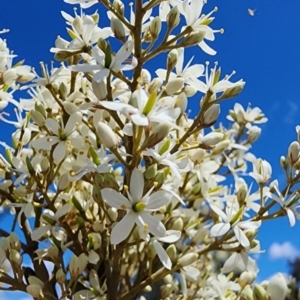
[291,217]
[139,119]
[60,152]
[219,229]
[162,254]
[52,125]
[122,229]
[172,236]
[101,75]
[45,142]
[154,225]
[39,232]
[158,199]
[73,120]
[136,185]
[121,56]
[241,237]
[115,199]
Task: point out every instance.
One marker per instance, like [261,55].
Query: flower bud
[234,90]
[177,224]
[174,85]
[166,290]
[173,18]
[200,235]
[15,259]
[172,59]
[14,242]
[106,180]
[293,152]
[150,172]
[172,252]
[246,278]
[220,147]
[9,76]
[119,7]
[187,259]
[247,293]
[63,182]
[193,39]
[277,288]
[253,134]
[189,91]
[260,293]
[107,136]
[159,132]
[181,102]
[155,85]
[147,289]
[35,291]
[60,276]
[251,233]
[113,213]
[155,27]
[99,89]
[283,162]
[37,118]
[77,265]
[211,115]
[212,138]
[118,29]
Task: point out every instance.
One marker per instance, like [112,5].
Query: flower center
[140,206]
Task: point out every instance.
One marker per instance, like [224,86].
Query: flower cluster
[115,185]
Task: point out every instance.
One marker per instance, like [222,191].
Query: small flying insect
[251,12]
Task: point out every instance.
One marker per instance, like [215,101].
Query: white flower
[189,73]
[262,171]
[230,220]
[63,137]
[290,203]
[192,11]
[117,62]
[138,208]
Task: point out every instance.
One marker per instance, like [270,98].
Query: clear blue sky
[263,50]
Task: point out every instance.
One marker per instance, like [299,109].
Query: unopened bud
[193,39]
[159,132]
[260,293]
[247,293]
[246,278]
[107,136]
[190,91]
[99,89]
[177,224]
[14,242]
[60,276]
[234,90]
[118,29]
[241,195]
[187,259]
[155,27]
[211,115]
[293,152]
[212,138]
[15,258]
[172,252]
[221,147]
[200,235]
[174,85]
[181,102]
[173,17]
[119,7]
[277,288]
[166,290]
[172,59]
[283,162]
[63,182]
[253,134]
[150,172]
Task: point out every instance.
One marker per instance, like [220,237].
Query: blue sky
[263,50]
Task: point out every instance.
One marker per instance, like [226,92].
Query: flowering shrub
[112,182]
